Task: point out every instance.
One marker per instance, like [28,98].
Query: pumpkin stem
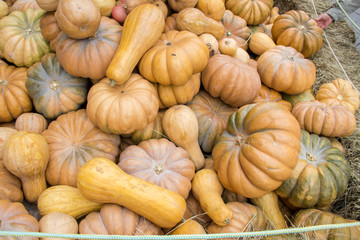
[240,139]
[167,42]
[228,33]
[301,27]
[112,82]
[291,58]
[158,169]
[310,157]
[339,97]
[54,84]
[3,82]
[83,28]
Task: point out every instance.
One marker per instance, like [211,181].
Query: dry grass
[341,38]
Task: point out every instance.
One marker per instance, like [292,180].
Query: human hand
[324,20]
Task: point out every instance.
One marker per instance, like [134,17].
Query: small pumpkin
[322,119]
[260,43]
[270,95]
[296,29]
[175,57]
[48,5]
[79,19]
[160,162]
[10,187]
[50,29]
[227,46]
[188,227]
[234,82]
[211,43]
[22,5]
[212,115]
[212,8]
[53,90]
[339,92]
[320,176]
[58,222]
[73,140]
[120,103]
[31,122]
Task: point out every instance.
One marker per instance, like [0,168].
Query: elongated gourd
[142,29]
[207,189]
[181,126]
[101,180]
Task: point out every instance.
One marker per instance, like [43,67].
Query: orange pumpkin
[170,23]
[270,95]
[31,122]
[50,29]
[235,82]
[10,187]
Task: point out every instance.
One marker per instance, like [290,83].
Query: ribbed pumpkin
[50,29]
[212,8]
[285,70]
[320,176]
[258,150]
[174,58]
[305,96]
[79,19]
[339,92]
[253,11]
[76,55]
[270,95]
[152,130]
[234,82]
[296,29]
[58,222]
[29,164]
[236,28]
[170,95]
[246,218]
[73,140]
[329,121]
[122,108]
[22,5]
[160,162]
[13,90]
[53,90]
[315,217]
[31,122]
[212,115]
[117,220]
[10,187]
[14,217]
[48,5]
[21,41]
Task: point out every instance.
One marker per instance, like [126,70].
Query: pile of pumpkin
[177,117]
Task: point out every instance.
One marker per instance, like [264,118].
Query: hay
[341,37]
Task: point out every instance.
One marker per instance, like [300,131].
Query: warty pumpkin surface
[122,108]
[53,90]
[97,51]
[113,219]
[212,115]
[320,176]
[253,11]
[21,41]
[174,58]
[234,82]
[321,119]
[296,29]
[258,150]
[10,185]
[160,162]
[73,140]
[285,70]
[14,97]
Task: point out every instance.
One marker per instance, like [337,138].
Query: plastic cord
[342,9]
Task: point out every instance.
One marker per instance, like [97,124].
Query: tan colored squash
[228,46]
[178,5]
[10,187]
[142,29]
[212,8]
[4,9]
[181,126]
[260,42]
[242,55]
[31,122]
[207,189]
[48,5]
[105,6]
[5,133]
[66,199]
[195,21]
[188,227]
[170,23]
[58,222]
[29,164]
[211,43]
[101,180]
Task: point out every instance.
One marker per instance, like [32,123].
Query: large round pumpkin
[253,11]
[174,58]
[235,82]
[122,108]
[10,187]
[14,97]
[296,29]
[285,70]
[212,115]
[258,150]
[160,162]
[77,55]
[53,90]
[117,220]
[329,121]
[73,140]
[21,41]
[320,176]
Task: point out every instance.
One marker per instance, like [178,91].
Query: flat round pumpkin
[122,108]
[258,150]
[53,90]
[234,82]
[320,176]
[73,140]
[160,162]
